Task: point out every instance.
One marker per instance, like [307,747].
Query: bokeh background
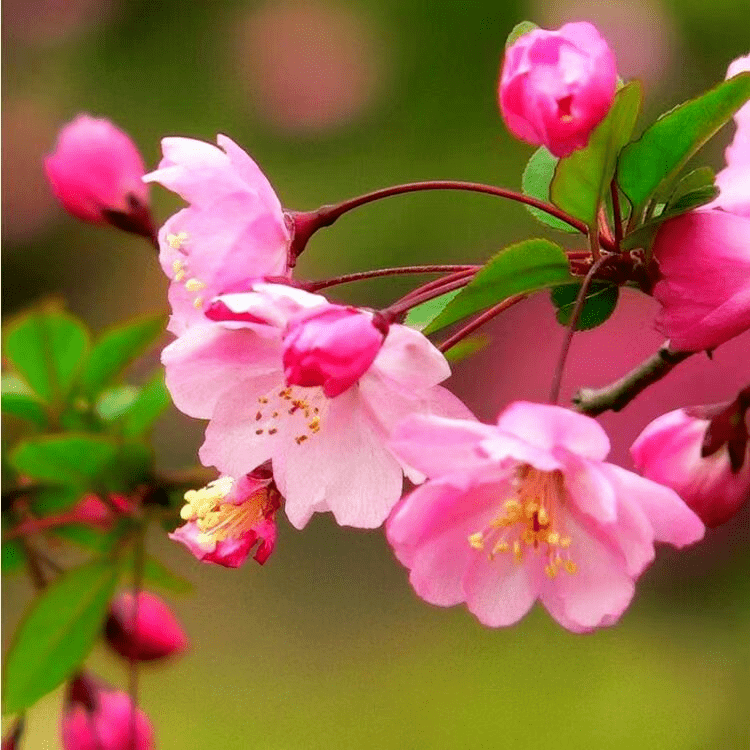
[326,646]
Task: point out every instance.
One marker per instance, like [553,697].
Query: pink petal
[590,489]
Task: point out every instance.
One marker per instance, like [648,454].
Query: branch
[618,395]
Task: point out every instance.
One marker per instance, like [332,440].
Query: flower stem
[315,286]
[479,321]
[618,395]
[616,214]
[407,303]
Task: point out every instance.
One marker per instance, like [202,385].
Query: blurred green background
[327,646]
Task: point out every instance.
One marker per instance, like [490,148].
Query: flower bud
[152,634]
[332,347]
[96,717]
[96,172]
[671,451]
[557,86]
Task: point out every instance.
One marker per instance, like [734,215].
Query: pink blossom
[227,518]
[668,451]
[329,453]
[99,718]
[525,510]
[151,632]
[704,269]
[557,86]
[233,231]
[96,172]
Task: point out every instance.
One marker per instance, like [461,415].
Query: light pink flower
[96,172]
[704,270]
[234,230]
[528,510]
[328,453]
[99,718]
[668,451]
[228,517]
[557,86]
[153,633]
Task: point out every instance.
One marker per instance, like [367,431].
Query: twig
[479,321]
[315,286]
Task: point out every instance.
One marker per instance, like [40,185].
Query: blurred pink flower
[96,172]
[557,86]
[96,717]
[154,632]
[528,510]
[233,231]
[668,451]
[327,453]
[227,518]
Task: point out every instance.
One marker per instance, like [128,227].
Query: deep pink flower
[99,718]
[528,510]
[557,86]
[704,270]
[96,172]
[668,451]
[227,518]
[153,633]
[328,453]
[234,230]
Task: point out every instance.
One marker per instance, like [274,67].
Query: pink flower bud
[557,86]
[98,718]
[152,634]
[669,452]
[332,347]
[96,172]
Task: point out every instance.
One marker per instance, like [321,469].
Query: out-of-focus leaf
[64,459]
[466,347]
[582,179]
[518,269]
[57,633]
[13,557]
[19,400]
[664,148]
[600,303]
[153,399]
[54,500]
[421,316]
[518,31]
[116,349]
[536,181]
[158,575]
[116,401]
[128,468]
[47,349]
[92,539]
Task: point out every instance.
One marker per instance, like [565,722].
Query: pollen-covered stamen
[530,521]
[176,241]
[181,270]
[299,409]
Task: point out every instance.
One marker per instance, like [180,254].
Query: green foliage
[600,303]
[536,181]
[152,400]
[518,269]
[156,573]
[421,316]
[47,349]
[116,348]
[664,148]
[582,179]
[518,31]
[693,190]
[19,400]
[466,347]
[57,633]
[13,557]
[115,402]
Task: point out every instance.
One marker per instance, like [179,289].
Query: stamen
[176,241]
[194,285]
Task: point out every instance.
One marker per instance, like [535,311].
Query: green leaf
[600,303]
[518,31]
[466,347]
[153,399]
[518,269]
[92,539]
[64,459]
[536,180]
[47,349]
[582,179]
[116,349]
[421,316]
[128,468]
[115,402]
[18,400]
[57,633]
[157,574]
[693,190]
[55,499]
[13,557]
[659,154]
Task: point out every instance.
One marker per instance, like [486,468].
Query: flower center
[305,406]
[181,270]
[531,521]
[218,520]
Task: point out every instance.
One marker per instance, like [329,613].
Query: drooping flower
[228,517]
[96,172]
[233,231]
[144,632]
[671,451]
[557,86]
[96,717]
[329,452]
[525,510]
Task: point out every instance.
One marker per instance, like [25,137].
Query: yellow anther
[198,303]
[528,536]
[501,547]
[553,538]
[531,509]
[477,540]
[175,241]
[565,542]
[194,285]
[512,506]
[517,551]
[570,566]
[550,570]
[542,517]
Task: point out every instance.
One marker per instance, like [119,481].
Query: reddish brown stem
[316,286]
[479,321]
